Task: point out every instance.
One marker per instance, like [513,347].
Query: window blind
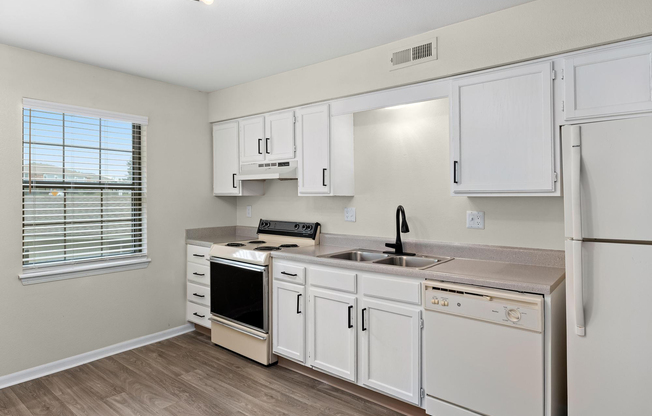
[84,186]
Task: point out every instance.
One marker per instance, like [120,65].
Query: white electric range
[241,287]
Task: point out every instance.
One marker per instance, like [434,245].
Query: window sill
[81,270]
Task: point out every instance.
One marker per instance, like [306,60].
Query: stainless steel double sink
[418,262]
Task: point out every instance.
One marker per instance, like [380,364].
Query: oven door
[240,293]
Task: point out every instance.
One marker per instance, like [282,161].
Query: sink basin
[410,261]
[358,256]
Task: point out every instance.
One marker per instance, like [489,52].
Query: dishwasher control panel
[518,310]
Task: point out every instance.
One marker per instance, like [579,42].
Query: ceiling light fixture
[209,2]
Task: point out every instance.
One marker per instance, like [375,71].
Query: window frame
[46,271]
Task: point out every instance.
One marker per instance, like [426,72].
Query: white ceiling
[230,42]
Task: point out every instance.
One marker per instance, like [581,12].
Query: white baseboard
[87,357]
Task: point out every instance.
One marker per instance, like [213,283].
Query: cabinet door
[314,144]
[502,139]
[288,319]
[225,159]
[391,345]
[332,336]
[279,136]
[609,82]
[252,139]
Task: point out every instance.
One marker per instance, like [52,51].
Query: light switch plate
[248,211]
[349,214]
[475,219]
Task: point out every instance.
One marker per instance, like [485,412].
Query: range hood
[268,170]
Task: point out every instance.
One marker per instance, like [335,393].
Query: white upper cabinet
[313,134]
[502,138]
[608,82]
[225,159]
[279,136]
[325,152]
[252,139]
[225,163]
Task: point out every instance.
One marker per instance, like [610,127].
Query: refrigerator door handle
[576,160]
[578,289]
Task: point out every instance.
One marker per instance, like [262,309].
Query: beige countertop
[494,274]
[489,271]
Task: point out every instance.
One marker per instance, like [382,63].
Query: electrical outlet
[349,214]
[475,219]
[248,211]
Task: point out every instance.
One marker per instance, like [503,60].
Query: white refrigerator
[608,224]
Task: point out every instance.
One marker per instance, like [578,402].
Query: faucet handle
[391,245]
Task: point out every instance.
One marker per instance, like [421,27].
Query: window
[83,186]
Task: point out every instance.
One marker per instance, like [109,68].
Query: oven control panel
[289,228]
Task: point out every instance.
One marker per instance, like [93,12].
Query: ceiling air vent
[414,55]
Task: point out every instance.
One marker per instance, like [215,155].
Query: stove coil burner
[235,245]
[267,248]
[257,242]
[288,245]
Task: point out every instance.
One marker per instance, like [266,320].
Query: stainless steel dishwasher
[484,351]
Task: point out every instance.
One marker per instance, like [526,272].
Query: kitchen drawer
[392,288]
[332,279]
[199,273]
[198,254]
[198,314]
[292,273]
[199,294]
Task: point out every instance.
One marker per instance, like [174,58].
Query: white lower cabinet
[198,285]
[391,345]
[289,321]
[358,326]
[332,333]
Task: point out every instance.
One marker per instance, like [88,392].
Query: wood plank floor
[186,375]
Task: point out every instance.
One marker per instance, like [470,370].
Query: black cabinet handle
[298,303]
[289,274]
[267,145]
[259,143]
[323,177]
[198,255]
[350,325]
[201,316]
[199,274]
[455,171]
[234,181]
[363,327]
[198,295]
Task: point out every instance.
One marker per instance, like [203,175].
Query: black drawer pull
[267,145]
[259,143]
[201,316]
[299,303]
[289,274]
[199,255]
[199,274]
[455,171]
[363,327]
[234,185]
[323,177]
[350,325]
[198,295]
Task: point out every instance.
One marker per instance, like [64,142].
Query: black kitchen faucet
[402,228]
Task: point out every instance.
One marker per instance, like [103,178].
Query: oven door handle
[251,334]
[239,264]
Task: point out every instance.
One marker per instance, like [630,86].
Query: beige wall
[536,29]
[50,321]
[401,157]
